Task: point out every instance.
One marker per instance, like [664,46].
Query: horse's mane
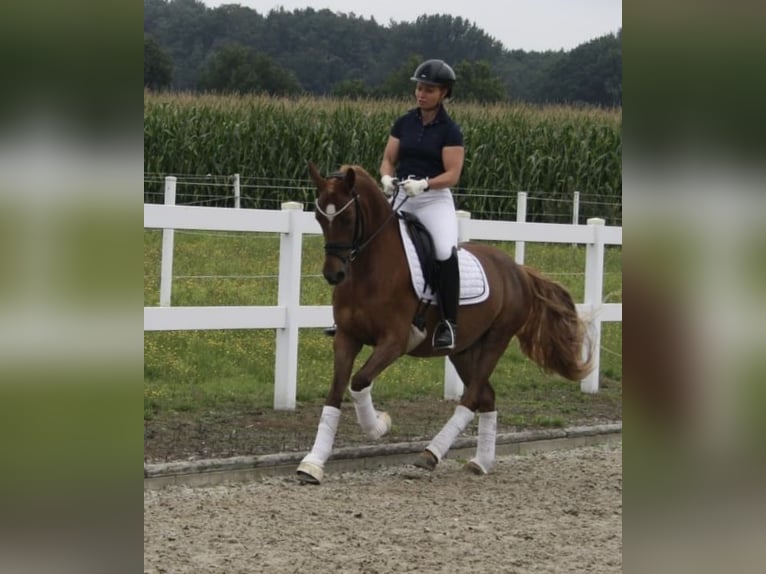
[369,191]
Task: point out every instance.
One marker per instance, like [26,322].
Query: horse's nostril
[335,278]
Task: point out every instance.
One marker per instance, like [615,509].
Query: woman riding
[424,155]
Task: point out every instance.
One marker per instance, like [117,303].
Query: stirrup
[330,331]
[444,335]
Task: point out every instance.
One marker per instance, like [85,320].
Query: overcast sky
[519,24]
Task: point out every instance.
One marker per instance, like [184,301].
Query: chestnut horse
[374,303]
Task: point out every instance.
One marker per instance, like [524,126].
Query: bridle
[358,243]
[352,249]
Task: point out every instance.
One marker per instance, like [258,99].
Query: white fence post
[521,217]
[575,211]
[236,191]
[168,237]
[286,365]
[453,384]
[594,294]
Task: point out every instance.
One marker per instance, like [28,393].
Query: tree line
[234,49]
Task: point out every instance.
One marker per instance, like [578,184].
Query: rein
[357,244]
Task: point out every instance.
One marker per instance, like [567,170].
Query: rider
[425,154]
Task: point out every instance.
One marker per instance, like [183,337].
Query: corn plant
[550,151]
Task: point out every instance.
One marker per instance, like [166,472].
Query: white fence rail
[289,316]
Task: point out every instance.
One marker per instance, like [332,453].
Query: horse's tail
[553,335]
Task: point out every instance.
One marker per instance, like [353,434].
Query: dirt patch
[558,511]
[226,433]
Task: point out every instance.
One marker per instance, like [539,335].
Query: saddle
[424,268]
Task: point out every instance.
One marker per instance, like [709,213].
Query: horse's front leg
[311,468]
[374,423]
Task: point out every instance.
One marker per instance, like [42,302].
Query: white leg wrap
[442,442]
[485,447]
[375,424]
[328,425]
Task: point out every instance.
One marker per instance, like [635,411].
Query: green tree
[158,67]
[323,50]
[442,36]
[591,73]
[236,69]
[180,27]
[398,84]
[475,81]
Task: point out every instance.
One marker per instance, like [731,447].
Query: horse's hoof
[475,467]
[310,473]
[426,459]
[382,427]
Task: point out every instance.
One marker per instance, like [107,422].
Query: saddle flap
[474,287]
[424,247]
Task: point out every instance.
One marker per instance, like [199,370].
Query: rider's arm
[390,157]
[452,158]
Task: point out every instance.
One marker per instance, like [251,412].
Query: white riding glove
[413,187]
[389,184]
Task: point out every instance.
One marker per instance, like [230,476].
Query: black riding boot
[449,294]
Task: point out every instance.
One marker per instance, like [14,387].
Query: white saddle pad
[473,282]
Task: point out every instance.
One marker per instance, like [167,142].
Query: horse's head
[339,214]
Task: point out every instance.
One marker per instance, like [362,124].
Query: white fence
[288,316]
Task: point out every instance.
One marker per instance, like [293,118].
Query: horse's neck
[375,213]
[380,254]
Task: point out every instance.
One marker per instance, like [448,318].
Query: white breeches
[436,209]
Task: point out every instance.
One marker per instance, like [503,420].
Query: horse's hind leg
[441,443]
[480,395]
[474,365]
[484,460]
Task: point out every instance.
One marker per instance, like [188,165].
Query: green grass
[202,371]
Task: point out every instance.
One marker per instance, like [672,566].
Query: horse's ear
[350,178]
[316,177]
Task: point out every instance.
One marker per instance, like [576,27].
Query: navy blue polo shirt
[420,146]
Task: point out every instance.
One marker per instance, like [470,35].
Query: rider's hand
[413,187]
[389,184]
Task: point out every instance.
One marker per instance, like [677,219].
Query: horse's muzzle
[336,261]
[335,276]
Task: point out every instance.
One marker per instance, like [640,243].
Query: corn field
[549,152]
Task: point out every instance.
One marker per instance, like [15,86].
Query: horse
[374,303]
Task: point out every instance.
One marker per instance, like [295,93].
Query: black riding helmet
[435,72]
